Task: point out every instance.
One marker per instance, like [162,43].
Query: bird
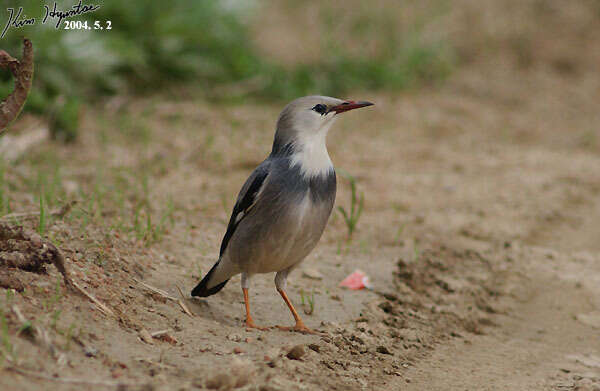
[283,207]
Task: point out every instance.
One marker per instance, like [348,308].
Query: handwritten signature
[18,19]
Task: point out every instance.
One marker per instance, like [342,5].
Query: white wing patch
[244,212]
[241,215]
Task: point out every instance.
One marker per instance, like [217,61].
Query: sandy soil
[479,235]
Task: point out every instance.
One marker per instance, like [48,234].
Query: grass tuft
[42,220]
[7,351]
[307,302]
[357,202]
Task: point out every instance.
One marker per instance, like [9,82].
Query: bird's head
[308,119]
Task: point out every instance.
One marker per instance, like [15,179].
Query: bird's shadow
[202,308]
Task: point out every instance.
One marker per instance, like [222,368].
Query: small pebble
[296,352]
[146,337]
[313,274]
[383,350]
[221,380]
[234,337]
[91,351]
[314,347]
[116,373]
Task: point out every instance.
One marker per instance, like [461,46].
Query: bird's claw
[250,325]
[300,328]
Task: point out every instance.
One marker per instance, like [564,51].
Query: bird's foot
[300,328]
[250,325]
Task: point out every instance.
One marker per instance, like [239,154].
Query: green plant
[42,219]
[145,229]
[10,294]
[364,246]
[4,198]
[166,217]
[7,352]
[308,304]
[589,138]
[49,303]
[399,232]
[100,256]
[69,336]
[352,216]
[54,320]
[416,253]
[198,272]
[64,119]
[25,328]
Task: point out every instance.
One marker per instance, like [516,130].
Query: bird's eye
[320,108]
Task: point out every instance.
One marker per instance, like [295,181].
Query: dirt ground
[479,235]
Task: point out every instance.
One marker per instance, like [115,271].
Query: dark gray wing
[245,201]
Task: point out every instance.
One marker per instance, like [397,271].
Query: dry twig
[102,307]
[71,380]
[155,290]
[146,336]
[23,74]
[158,333]
[158,364]
[182,303]
[59,213]
[166,296]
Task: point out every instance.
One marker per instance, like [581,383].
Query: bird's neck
[311,156]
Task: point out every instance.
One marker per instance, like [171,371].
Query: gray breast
[286,223]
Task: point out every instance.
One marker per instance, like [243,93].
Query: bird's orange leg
[300,326]
[249,321]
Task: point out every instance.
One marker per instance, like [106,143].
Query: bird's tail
[202,289]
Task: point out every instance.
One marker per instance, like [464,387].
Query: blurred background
[280,50]
[228,51]
[231,50]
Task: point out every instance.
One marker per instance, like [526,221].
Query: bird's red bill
[350,105]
